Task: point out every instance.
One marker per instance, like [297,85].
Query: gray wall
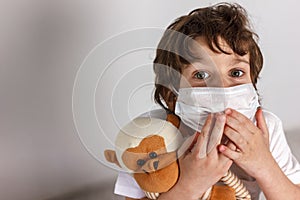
[43,44]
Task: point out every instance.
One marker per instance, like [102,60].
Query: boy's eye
[236,73]
[201,75]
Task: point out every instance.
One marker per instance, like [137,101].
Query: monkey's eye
[140,162]
[152,155]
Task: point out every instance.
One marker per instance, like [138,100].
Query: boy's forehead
[207,57]
[201,45]
[201,51]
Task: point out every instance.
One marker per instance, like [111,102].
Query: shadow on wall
[100,191]
[293,138]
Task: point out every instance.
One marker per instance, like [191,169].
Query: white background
[42,45]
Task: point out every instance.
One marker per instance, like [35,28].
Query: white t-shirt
[127,186]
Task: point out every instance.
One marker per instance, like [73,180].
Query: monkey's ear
[111,157]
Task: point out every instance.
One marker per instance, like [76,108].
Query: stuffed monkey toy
[147,148]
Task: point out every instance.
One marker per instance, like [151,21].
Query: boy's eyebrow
[239,60]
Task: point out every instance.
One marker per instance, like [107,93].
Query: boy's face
[216,69]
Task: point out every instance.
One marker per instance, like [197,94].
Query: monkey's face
[155,169]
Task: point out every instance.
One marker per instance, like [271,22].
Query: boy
[222,54]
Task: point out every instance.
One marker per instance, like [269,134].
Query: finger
[187,145]
[201,145]
[229,153]
[206,126]
[216,132]
[218,128]
[236,114]
[238,140]
[225,161]
[239,122]
[261,122]
[231,145]
[195,139]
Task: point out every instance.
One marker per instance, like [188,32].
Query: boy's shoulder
[272,120]
[270,116]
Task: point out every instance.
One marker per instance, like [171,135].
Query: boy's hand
[198,170]
[252,142]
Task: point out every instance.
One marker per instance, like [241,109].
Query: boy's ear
[170,100]
[111,157]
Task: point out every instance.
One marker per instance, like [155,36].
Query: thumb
[261,122]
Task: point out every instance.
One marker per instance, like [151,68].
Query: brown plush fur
[158,181]
[222,192]
[151,179]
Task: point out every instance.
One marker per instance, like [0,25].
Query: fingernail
[222,148]
[228,111]
[259,108]
[221,117]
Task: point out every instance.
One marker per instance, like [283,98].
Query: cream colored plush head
[131,135]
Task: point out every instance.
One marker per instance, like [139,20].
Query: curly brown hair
[227,21]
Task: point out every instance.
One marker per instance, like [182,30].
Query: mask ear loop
[174,90]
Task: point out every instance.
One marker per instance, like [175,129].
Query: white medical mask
[194,104]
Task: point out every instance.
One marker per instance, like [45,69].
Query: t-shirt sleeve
[281,150]
[127,186]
